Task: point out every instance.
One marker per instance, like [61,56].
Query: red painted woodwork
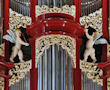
[105,84]
[104,28]
[6,84]
[4,67]
[62,24]
[55,15]
[34,79]
[104,53]
[55,24]
[33,3]
[105,19]
[77,70]
[78,9]
[106,68]
[6,64]
[6,27]
[6,15]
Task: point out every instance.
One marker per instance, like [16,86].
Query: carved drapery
[66,42]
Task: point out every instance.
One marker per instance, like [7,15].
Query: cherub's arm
[22,42]
[88,36]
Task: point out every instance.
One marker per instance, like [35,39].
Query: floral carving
[17,20]
[94,19]
[71,10]
[66,42]
[19,71]
[2,84]
[92,71]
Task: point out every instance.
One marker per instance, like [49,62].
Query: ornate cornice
[71,10]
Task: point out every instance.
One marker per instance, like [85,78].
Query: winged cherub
[15,37]
[90,51]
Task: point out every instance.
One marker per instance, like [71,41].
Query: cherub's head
[91,31]
[18,32]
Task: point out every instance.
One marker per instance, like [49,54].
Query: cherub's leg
[86,54]
[20,54]
[93,55]
[13,54]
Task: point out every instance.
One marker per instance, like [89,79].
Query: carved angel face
[18,34]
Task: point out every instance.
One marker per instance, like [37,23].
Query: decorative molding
[94,19]
[92,71]
[17,20]
[108,84]
[2,49]
[71,10]
[66,42]
[19,71]
[108,50]
[2,83]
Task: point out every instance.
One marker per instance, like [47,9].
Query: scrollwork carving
[66,42]
[2,83]
[19,71]
[92,71]
[17,20]
[71,10]
[94,19]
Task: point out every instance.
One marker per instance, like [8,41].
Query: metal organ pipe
[54,70]
[88,84]
[53,67]
[90,6]
[23,84]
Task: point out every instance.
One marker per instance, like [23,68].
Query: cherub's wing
[97,37]
[101,41]
[11,33]
[8,38]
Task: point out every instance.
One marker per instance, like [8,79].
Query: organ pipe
[88,84]
[23,84]
[54,70]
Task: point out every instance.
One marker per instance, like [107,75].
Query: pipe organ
[88,84]
[23,84]
[87,6]
[55,71]
[20,6]
[55,40]
[90,6]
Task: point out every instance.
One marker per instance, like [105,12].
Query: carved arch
[66,42]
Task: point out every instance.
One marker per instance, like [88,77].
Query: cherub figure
[15,37]
[90,51]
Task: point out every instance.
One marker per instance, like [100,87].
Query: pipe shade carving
[71,10]
[65,42]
